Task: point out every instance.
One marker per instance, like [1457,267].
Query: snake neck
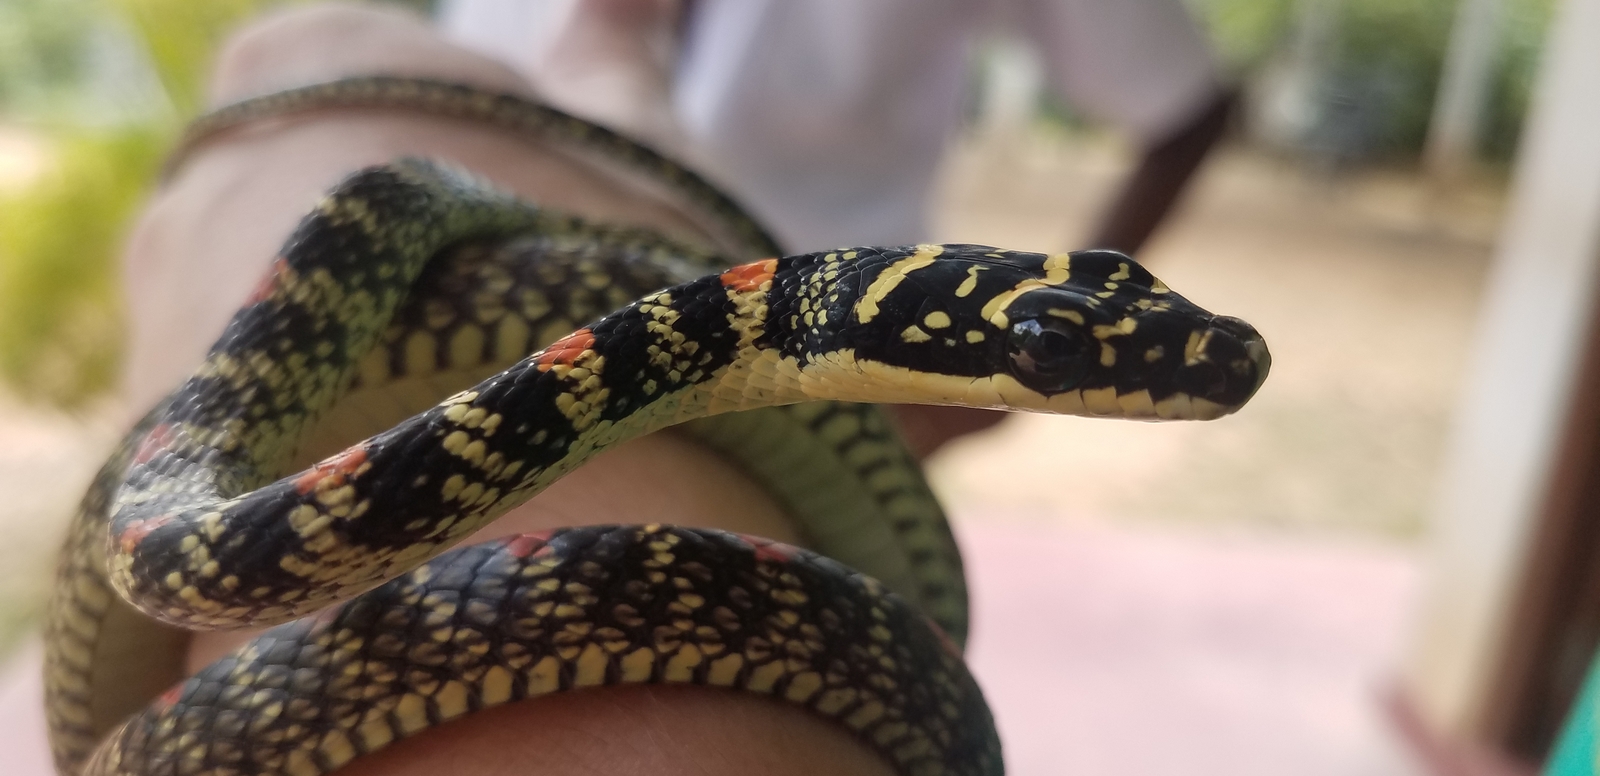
[387,504]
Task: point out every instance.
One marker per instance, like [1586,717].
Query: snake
[838,469]
[207,516]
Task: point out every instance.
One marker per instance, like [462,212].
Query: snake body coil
[214,523]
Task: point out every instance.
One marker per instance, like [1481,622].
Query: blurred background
[1247,596]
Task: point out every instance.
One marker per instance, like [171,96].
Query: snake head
[1115,339]
[1083,333]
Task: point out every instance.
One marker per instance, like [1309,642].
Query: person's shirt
[828,118]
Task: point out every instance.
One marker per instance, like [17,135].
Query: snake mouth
[1224,365]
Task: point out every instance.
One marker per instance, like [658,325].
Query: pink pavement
[1124,652]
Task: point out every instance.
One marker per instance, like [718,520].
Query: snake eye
[1048,356]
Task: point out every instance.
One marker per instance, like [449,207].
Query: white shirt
[828,118]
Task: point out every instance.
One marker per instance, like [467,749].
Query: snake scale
[213,514]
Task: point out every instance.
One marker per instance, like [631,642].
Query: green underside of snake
[272,488]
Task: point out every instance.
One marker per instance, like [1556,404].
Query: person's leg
[212,231]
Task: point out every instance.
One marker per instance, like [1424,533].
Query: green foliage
[41,49]
[181,36]
[1381,69]
[1246,32]
[1526,24]
[60,320]
[1401,46]
[1389,54]
[60,329]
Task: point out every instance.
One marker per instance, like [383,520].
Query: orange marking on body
[526,544]
[339,466]
[565,350]
[133,534]
[769,550]
[749,277]
[171,696]
[154,442]
[269,282]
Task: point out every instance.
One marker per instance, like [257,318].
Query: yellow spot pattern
[867,306]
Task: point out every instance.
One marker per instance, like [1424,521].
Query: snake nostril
[1208,380]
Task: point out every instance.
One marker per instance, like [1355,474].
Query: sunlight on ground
[22,158]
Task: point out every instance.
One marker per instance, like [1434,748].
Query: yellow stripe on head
[890,277]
